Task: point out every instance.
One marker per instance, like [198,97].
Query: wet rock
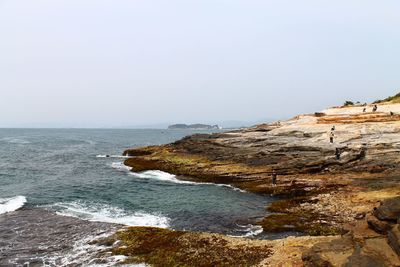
[389,210]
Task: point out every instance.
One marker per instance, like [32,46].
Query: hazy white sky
[100,63]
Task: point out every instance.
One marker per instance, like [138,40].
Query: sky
[126,63]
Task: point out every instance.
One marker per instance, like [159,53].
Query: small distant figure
[364,110]
[331,136]
[391,113]
[333,128]
[375,108]
[337,153]
[107,156]
[363,151]
[274,177]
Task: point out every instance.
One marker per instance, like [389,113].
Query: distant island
[196,126]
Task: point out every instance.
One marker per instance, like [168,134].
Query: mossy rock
[163,247]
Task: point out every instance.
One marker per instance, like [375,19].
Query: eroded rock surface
[329,185]
[298,150]
[361,246]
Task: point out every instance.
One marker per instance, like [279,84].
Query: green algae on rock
[162,247]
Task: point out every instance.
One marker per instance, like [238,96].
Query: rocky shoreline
[332,190]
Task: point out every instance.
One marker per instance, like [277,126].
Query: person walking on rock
[375,108]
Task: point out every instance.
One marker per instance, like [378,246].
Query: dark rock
[315,260]
[315,256]
[389,210]
[394,238]
[359,259]
[137,152]
[319,114]
[380,227]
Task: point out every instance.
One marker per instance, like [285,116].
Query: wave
[109,214]
[11,204]
[85,251]
[113,156]
[161,176]
[14,140]
[167,177]
[121,167]
[252,230]
[248,230]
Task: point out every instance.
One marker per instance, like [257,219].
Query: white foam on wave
[248,230]
[167,177]
[15,140]
[109,214]
[121,167]
[85,252]
[11,204]
[119,264]
[161,176]
[253,230]
[113,156]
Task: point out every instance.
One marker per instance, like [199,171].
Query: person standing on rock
[331,136]
[274,177]
[337,153]
[375,108]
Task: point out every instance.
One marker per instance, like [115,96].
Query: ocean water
[64,174]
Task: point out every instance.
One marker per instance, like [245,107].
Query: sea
[60,189]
